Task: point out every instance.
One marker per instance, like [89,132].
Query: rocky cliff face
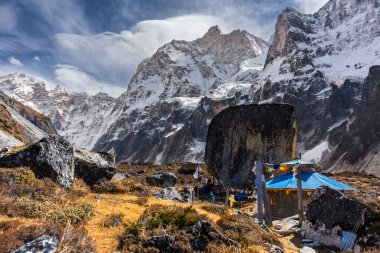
[318,63]
[174,95]
[20,124]
[240,135]
[358,144]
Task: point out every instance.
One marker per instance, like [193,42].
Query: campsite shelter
[283,191]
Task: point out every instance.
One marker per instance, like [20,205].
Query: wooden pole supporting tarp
[259,185]
[268,215]
[299,195]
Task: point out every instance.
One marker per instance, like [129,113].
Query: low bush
[159,216]
[17,176]
[245,231]
[22,195]
[120,187]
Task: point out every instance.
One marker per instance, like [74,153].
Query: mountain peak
[213,31]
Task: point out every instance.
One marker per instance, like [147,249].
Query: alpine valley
[324,64]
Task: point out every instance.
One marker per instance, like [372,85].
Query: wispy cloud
[114,56]
[14,61]
[78,80]
[8,17]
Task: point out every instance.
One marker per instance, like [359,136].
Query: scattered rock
[187,169]
[169,193]
[94,167]
[240,135]
[164,243]
[287,226]
[51,157]
[43,244]
[165,179]
[204,232]
[119,176]
[275,249]
[307,250]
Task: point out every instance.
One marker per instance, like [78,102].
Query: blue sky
[96,45]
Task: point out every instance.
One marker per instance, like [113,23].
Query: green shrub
[173,216]
[20,175]
[48,210]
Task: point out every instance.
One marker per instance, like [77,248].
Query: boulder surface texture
[240,135]
[52,157]
[332,208]
[93,167]
[164,180]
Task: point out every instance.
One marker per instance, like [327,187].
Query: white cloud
[77,80]
[310,6]
[36,58]
[14,61]
[8,17]
[113,57]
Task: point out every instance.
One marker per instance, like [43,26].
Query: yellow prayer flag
[283,167]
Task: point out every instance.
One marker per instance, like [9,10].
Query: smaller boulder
[51,157]
[169,193]
[307,250]
[94,167]
[45,244]
[119,176]
[164,243]
[187,169]
[163,180]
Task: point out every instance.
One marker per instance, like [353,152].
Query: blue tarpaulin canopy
[310,181]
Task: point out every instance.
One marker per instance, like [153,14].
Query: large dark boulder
[332,208]
[164,180]
[94,167]
[51,157]
[240,135]
[330,211]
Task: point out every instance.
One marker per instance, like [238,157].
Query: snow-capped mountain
[20,125]
[80,118]
[317,63]
[175,93]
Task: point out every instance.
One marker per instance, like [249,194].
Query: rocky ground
[122,215]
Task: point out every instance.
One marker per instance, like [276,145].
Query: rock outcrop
[54,157]
[332,208]
[330,212]
[44,243]
[240,135]
[94,167]
[359,142]
[169,193]
[164,180]
[199,235]
[51,157]
[21,125]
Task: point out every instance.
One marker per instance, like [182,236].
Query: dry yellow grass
[106,204]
